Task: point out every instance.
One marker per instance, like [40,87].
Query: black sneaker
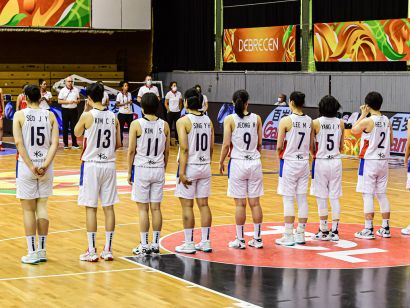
[154,249]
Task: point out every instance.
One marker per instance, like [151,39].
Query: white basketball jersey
[151,144]
[100,138]
[376,144]
[328,138]
[36,133]
[245,137]
[199,140]
[297,140]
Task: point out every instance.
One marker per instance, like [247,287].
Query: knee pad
[288,207]
[322,206]
[383,202]
[368,200]
[41,210]
[335,204]
[302,206]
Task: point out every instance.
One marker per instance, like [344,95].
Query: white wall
[121,14]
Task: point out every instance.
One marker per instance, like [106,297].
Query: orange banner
[362,41]
[260,45]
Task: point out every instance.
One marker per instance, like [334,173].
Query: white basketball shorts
[373,176]
[147,184]
[29,187]
[245,178]
[326,178]
[200,175]
[293,177]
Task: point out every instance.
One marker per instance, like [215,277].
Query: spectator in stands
[124,102]
[281,100]
[2,115]
[173,104]
[147,88]
[21,100]
[106,98]
[69,98]
[202,98]
[45,100]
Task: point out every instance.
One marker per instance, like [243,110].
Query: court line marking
[71,274]
[193,284]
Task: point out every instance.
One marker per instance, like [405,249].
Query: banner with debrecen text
[362,41]
[260,45]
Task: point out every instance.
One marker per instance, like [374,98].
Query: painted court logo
[66,183]
[349,252]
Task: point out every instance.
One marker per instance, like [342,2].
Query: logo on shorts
[330,157]
[202,159]
[102,156]
[299,156]
[248,157]
[381,155]
[151,162]
[38,154]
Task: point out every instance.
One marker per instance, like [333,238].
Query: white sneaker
[154,249]
[256,242]
[237,244]
[366,234]
[286,240]
[384,232]
[106,256]
[186,247]
[334,236]
[75,147]
[300,238]
[322,236]
[31,258]
[204,246]
[406,231]
[42,255]
[66,147]
[141,250]
[89,256]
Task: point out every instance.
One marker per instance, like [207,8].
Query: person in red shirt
[21,101]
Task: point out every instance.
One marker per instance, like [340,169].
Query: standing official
[147,88]
[173,105]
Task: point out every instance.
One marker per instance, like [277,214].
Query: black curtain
[183,35]
[263,13]
[358,10]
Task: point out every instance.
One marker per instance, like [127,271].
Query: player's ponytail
[240,99]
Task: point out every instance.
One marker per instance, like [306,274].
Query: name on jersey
[149,130]
[380,124]
[245,125]
[297,124]
[104,121]
[33,118]
[330,126]
[201,125]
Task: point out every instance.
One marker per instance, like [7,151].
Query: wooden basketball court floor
[64,281]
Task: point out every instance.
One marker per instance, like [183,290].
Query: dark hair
[193,99]
[122,83]
[32,91]
[284,96]
[95,91]
[240,98]
[40,82]
[329,106]
[171,83]
[198,86]
[298,98]
[150,103]
[374,100]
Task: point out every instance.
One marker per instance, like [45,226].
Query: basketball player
[35,132]
[245,180]
[2,115]
[374,167]
[293,146]
[406,231]
[21,102]
[148,153]
[328,142]
[98,173]
[196,142]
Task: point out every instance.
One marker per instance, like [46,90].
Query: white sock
[189,235]
[289,228]
[368,224]
[257,231]
[323,225]
[156,235]
[42,242]
[108,240]
[335,225]
[1,142]
[31,243]
[385,223]
[239,232]
[144,238]
[205,232]
[301,227]
[91,236]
